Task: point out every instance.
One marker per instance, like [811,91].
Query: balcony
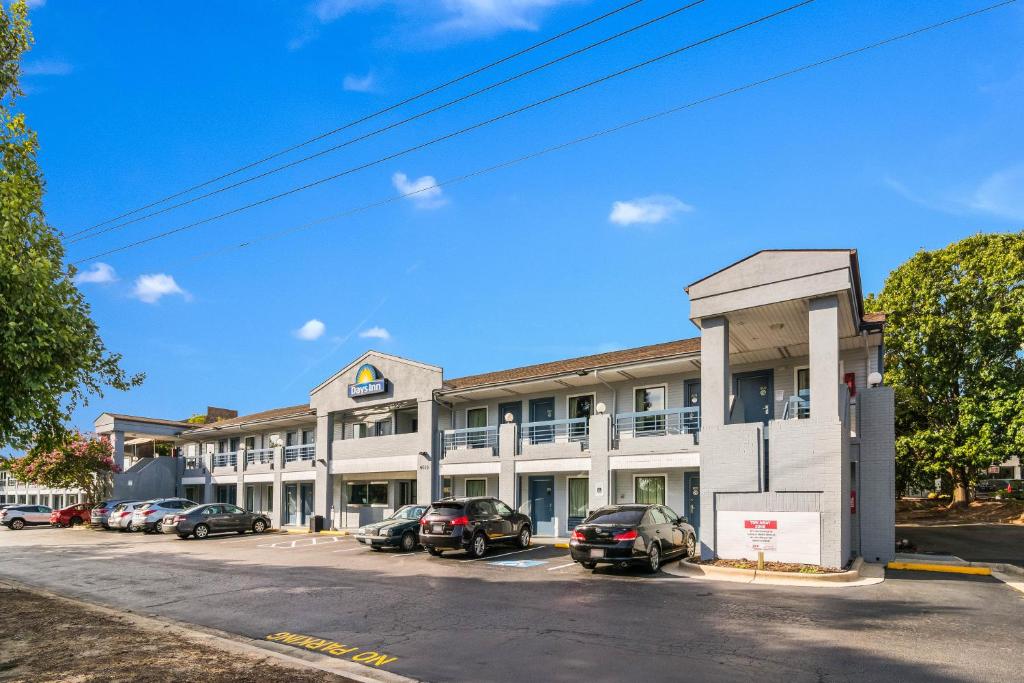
[299,457]
[259,460]
[657,430]
[225,462]
[554,438]
[472,444]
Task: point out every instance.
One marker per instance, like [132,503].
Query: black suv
[472,524]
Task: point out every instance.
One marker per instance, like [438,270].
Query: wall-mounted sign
[368,382]
[781,536]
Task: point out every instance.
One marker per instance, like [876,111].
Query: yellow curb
[563,546]
[948,568]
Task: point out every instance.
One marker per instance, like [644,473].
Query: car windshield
[447,509]
[409,512]
[628,516]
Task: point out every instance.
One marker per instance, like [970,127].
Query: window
[378,493]
[308,436]
[645,400]
[476,418]
[627,517]
[222,446]
[672,516]
[580,407]
[232,510]
[357,494]
[382,427]
[693,394]
[649,490]
[407,492]
[250,443]
[803,390]
[446,487]
[212,510]
[579,497]
[235,443]
[659,516]
[476,487]
[503,510]
[289,439]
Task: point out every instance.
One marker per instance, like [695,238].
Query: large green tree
[51,356]
[78,463]
[954,354]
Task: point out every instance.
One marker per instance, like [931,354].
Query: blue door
[691,484]
[542,410]
[542,505]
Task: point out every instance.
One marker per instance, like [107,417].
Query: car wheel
[131,527]
[408,541]
[691,546]
[17,524]
[75,521]
[654,558]
[436,552]
[183,536]
[524,537]
[259,526]
[589,565]
[478,546]
[202,531]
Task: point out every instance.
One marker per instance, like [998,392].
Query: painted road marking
[332,648]
[345,550]
[561,566]
[519,564]
[300,543]
[514,552]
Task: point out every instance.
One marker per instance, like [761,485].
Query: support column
[600,447]
[428,456]
[324,486]
[240,482]
[823,333]
[117,442]
[208,496]
[715,384]
[277,513]
[508,436]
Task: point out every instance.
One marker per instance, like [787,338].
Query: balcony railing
[658,422]
[192,462]
[302,452]
[260,456]
[225,459]
[797,407]
[575,429]
[470,437]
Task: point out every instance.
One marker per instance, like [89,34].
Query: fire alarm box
[850,379]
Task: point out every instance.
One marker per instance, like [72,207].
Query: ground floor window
[227,494]
[476,487]
[649,490]
[368,493]
[446,487]
[406,492]
[579,499]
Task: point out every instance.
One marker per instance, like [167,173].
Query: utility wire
[598,134]
[391,126]
[369,116]
[448,136]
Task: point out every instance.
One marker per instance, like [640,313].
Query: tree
[78,463]
[51,356]
[954,354]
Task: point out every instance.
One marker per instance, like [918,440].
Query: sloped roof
[263,416]
[151,420]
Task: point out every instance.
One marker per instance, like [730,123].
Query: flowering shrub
[80,463]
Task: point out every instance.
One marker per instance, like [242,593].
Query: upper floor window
[581,406]
[649,398]
[476,417]
[308,436]
[803,390]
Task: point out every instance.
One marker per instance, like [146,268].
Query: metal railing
[192,462]
[302,452]
[797,407]
[470,437]
[658,422]
[225,459]
[556,431]
[262,456]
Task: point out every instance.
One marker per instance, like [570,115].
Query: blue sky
[911,146]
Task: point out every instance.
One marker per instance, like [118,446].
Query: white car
[121,517]
[149,516]
[20,516]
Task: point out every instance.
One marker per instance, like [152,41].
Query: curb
[953,560]
[944,568]
[860,574]
[340,532]
[229,642]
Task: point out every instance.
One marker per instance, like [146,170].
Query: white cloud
[100,273]
[35,4]
[648,210]
[150,288]
[47,67]
[375,333]
[312,330]
[353,83]
[1001,194]
[420,191]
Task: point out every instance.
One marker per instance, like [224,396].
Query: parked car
[625,535]
[100,515]
[214,518]
[472,524]
[399,530]
[73,515]
[20,516]
[148,517]
[120,517]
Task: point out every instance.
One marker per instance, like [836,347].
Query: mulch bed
[793,567]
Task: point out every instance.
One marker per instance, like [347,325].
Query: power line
[598,134]
[391,126]
[448,136]
[369,116]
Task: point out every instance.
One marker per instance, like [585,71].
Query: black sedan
[625,535]
[214,518]
[400,530]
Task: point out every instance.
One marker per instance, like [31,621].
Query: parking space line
[492,557]
[561,566]
[346,550]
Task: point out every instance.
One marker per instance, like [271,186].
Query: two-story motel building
[775,412]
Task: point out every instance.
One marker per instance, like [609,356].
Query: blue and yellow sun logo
[366,373]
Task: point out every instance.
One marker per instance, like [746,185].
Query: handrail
[684,420]
[225,459]
[572,429]
[305,451]
[469,437]
[263,456]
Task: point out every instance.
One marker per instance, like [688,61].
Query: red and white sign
[781,536]
[761,533]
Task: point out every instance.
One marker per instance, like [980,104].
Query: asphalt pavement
[532,615]
[973,542]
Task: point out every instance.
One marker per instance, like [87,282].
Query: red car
[71,516]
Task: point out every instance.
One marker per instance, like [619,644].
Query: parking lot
[528,614]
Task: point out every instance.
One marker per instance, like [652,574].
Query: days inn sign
[368,382]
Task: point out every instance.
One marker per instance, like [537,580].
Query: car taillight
[423,521]
[177,518]
[626,535]
[102,511]
[461,521]
[148,512]
[577,536]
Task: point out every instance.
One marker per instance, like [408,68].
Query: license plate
[596,553]
[437,529]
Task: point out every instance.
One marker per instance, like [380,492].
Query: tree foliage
[51,356]
[78,463]
[954,353]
